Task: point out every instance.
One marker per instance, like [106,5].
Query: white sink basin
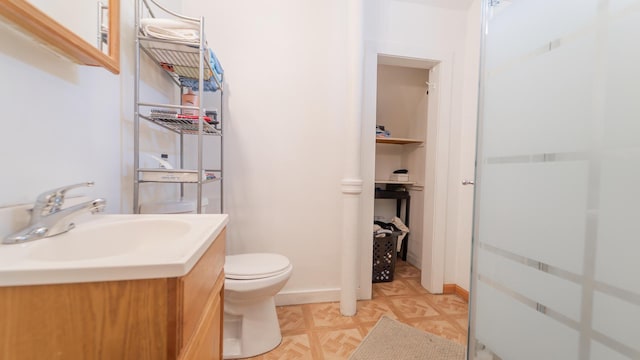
[99,239]
[113,247]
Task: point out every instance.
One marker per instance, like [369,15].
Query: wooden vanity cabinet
[154,319]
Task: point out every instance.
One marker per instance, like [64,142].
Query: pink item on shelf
[190,99]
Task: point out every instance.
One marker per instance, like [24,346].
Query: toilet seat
[255,266]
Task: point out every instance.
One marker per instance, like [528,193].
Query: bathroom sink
[111,248]
[116,238]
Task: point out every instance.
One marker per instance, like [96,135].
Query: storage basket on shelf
[384,257]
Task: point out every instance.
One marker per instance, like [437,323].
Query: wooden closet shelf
[399,141]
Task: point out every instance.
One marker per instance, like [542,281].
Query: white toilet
[172,207]
[250,321]
[251,281]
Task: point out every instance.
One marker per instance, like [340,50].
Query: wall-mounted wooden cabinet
[45,29]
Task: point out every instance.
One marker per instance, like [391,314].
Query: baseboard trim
[414,260]
[456,289]
[330,295]
[307,297]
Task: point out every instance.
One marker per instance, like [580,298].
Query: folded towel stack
[169,29]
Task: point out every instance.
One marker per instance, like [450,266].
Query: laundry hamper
[384,257]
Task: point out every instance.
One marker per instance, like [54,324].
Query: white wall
[401,99]
[285,73]
[61,123]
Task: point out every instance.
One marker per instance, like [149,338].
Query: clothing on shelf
[388,225]
[211,84]
[381,132]
[379,231]
[383,228]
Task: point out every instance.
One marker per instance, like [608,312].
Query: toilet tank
[172,207]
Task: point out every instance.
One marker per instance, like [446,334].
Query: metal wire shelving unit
[177,59]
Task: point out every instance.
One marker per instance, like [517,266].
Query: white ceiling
[449,4]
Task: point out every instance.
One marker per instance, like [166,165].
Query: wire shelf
[183,126]
[187,63]
[177,175]
[177,59]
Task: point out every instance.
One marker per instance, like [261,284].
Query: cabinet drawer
[197,286]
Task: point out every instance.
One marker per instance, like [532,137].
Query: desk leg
[405,242]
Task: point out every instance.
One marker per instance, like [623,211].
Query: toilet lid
[254,266]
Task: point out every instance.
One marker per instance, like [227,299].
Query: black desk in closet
[399,195]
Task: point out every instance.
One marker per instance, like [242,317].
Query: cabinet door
[199,284]
[205,342]
[123,320]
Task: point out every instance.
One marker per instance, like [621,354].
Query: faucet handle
[52,200]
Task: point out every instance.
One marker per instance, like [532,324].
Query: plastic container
[384,258]
[399,177]
[172,207]
[190,99]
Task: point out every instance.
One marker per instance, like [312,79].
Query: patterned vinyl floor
[319,332]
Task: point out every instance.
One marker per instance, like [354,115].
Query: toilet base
[250,329]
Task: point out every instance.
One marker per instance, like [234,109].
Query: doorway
[428,158]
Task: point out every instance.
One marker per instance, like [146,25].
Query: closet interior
[400,161]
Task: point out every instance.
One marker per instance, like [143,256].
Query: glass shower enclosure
[556,248]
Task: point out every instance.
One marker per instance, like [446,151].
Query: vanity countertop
[113,247]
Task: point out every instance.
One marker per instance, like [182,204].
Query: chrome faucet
[48,218]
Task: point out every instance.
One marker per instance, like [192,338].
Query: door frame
[436,177]
[436,170]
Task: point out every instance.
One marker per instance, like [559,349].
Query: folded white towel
[169,29]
